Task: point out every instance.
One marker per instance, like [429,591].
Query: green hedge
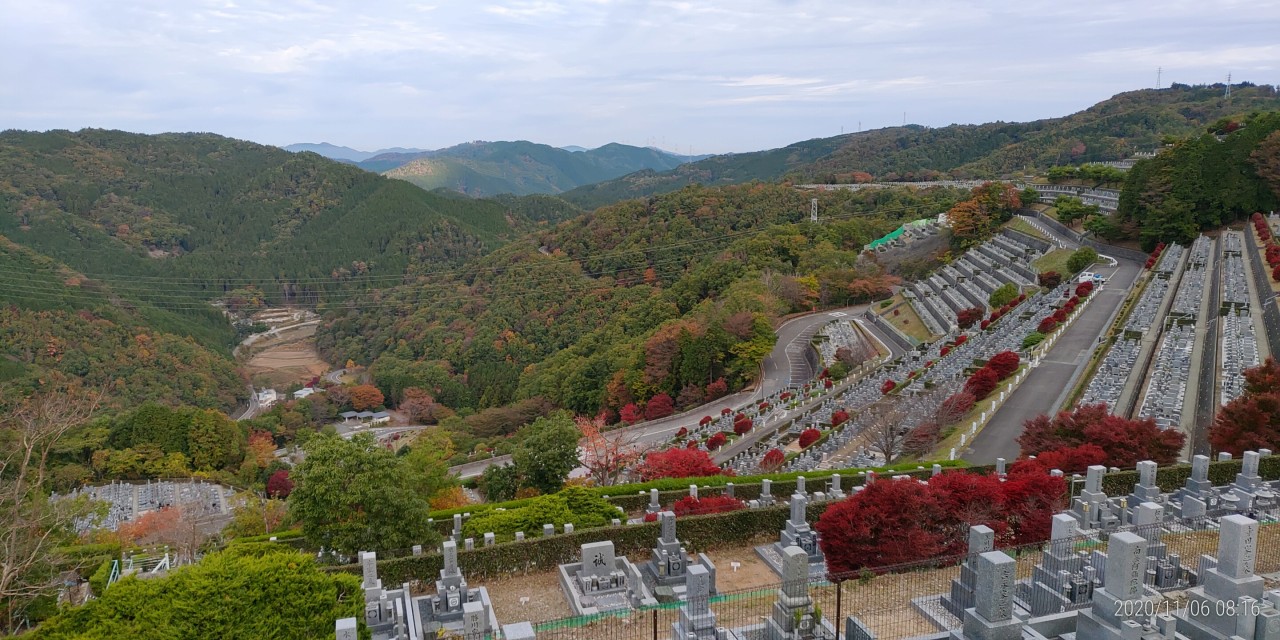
[1174,477]
[98,581]
[280,536]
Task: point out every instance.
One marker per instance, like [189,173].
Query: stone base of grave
[767,631]
[432,621]
[637,594]
[674,585]
[932,609]
[772,556]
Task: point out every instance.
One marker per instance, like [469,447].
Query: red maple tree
[1004,363]
[678,462]
[1251,421]
[659,406]
[691,506]
[982,383]
[772,461]
[1126,442]
[808,437]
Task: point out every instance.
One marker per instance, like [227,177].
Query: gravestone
[602,581]
[457,527]
[1146,490]
[991,617]
[1091,507]
[548,530]
[489,539]
[669,563]
[346,629]
[981,540]
[518,631]
[697,621]
[654,506]
[1228,584]
[1118,604]
[766,498]
[1061,581]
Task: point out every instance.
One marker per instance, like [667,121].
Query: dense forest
[1203,182]
[1110,130]
[674,296]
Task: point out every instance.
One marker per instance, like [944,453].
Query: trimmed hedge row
[628,496]
[1174,477]
[698,533]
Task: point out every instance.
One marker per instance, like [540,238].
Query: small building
[348,416]
[364,416]
[381,417]
[305,391]
[267,397]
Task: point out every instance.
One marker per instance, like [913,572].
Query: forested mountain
[489,168]
[115,243]
[347,154]
[673,297]
[1110,130]
[1203,182]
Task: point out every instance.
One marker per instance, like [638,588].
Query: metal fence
[896,602]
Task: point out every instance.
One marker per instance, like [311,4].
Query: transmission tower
[1159,72]
[1228,92]
[813,210]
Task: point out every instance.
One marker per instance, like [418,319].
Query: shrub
[887,386]
[684,431]
[716,441]
[808,437]
[984,324]
[966,317]
[741,427]
[982,383]
[1034,338]
[659,406]
[706,420]
[1125,441]
[1047,325]
[961,340]
[1049,279]
[678,463]
[1083,257]
[1084,289]
[1002,295]
[1004,363]
[691,506]
[838,417]
[772,461]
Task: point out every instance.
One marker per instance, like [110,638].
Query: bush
[706,420]
[578,505]
[887,386]
[659,406]
[1034,338]
[966,317]
[982,383]
[1047,325]
[1125,441]
[1083,257]
[1003,295]
[838,417]
[677,462]
[808,437]
[1004,363]
[1049,279]
[772,461]
[716,441]
[691,506]
[1084,289]
[741,428]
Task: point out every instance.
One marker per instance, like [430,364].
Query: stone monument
[669,563]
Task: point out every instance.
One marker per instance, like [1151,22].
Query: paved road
[1042,388]
[253,408]
[785,365]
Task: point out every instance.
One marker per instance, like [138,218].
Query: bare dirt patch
[285,359]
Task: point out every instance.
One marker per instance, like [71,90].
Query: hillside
[628,301]
[483,169]
[1110,130]
[114,240]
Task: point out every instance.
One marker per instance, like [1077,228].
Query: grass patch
[1055,260]
[1018,224]
[906,320]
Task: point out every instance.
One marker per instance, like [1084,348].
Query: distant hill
[106,235]
[334,152]
[1110,130]
[488,168]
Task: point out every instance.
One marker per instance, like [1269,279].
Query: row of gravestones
[1227,602]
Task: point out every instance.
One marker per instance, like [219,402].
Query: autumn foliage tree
[659,406]
[772,461]
[279,485]
[1076,459]
[606,454]
[982,383]
[1004,363]
[716,441]
[1126,442]
[630,413]
[967,317]
[678,462]
[1049,279]
[365,397]
[897,522]
[1251,421]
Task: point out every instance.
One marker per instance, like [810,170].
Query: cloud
[718,75]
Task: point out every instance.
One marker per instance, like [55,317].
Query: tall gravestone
[1229,600]
[1091,507]
[1061,581]
[697,621]
[981,540]
[991,617]
[669,562]
[1118,605]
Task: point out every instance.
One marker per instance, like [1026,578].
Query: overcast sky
[698,75]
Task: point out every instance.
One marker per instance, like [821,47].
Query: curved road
[784,366]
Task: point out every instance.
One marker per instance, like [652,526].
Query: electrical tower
[1159,72]
[813,210]
[1228,92]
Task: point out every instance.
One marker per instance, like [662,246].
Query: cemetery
[1167,559]
[126,502]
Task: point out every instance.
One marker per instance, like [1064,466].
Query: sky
[694,76]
